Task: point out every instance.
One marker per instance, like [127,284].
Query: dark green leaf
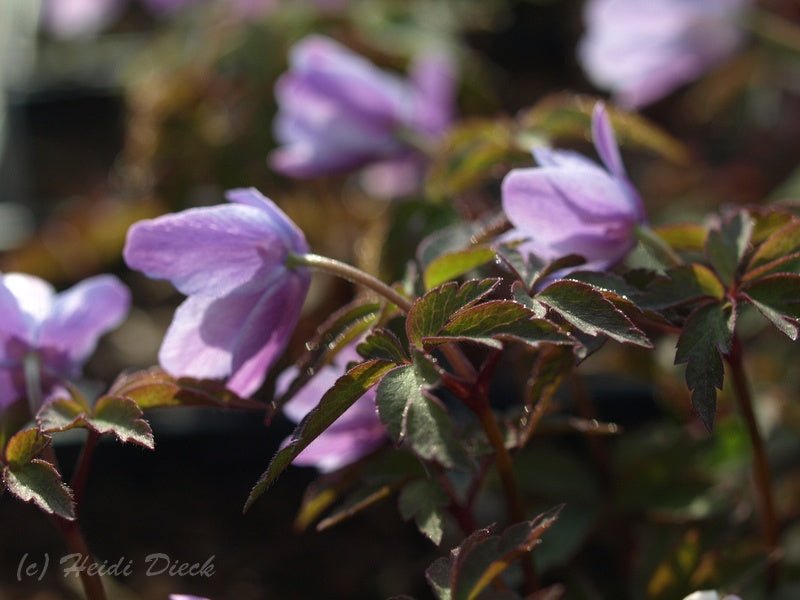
[39,482]
[24,446]
[438,576]
[780,252]
[413,416]
[585,308]
[706,336]
[726,245]
[483,557]
[384,345]
[491,322]
[682,285]
[60,414]
[778,299]
[347,389]
[361,500]
[687,237]
[122,418]
[423,500]
[429,314]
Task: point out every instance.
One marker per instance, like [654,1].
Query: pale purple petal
[605,142]
[264,335]
[186,597]
[643,49]
[13,324]
[83,313]
[289,233]
[211,250]
[77,18]
[35,300]
[392,178]
[549,157]
[433,76]
[12,385]
[334,449]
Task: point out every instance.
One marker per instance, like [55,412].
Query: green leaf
[469,155]
[682,285]
[780,252]
[553,365]
[455,264]
[413,416]
[122,418]
[705,337]
[423,500]
[726,245]
[686,237]
[60,414]
[429,314]
[489,323]
[361,500]
[24,446]
[531,270]
[482,557]
[347,389]
[777,297]
[569,116]
[154,388]
[39,482]
[585,308]
[382,344]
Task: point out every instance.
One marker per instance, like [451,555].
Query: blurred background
[116,110]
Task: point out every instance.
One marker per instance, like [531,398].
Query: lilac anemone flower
[58,331]
[356,433]
[571,205]
[641,50]
[338,111]
[243,301]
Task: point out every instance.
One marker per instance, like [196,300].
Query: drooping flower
[356,433]
[338,111]
[641,50]
[243,301]
[571,205]
[58,331]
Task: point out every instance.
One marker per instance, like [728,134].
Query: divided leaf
[483,557]
[122,418]
[706,336]
[455,264]
[682,285]
[588,310]
[491,322]
[726,245]
[347,389]
[780,253]
[38,482]
[777,297]
[429,314]
[382,344]
[415,417]
[424,500]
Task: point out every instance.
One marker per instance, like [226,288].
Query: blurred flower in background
[338,111]
[58,331]
[641,50]
[356,433]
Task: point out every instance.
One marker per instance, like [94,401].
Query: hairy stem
[350,273]
[90,579]
[81,475]
[761,469]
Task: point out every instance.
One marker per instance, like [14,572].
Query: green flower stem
[657,246]
[32,370]
[761,469]
[350,273]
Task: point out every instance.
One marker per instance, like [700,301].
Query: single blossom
[571,205]
[57,331]
[356,433]
[243,301]
[641,50]
[338,111]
